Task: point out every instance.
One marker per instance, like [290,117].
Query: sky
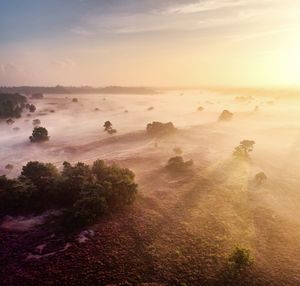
[249,43]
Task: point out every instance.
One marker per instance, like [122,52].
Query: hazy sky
[150,42]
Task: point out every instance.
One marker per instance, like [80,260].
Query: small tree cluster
[177,164]
[108,128]
[158,129]
[85,192]
[39,134]
[242,150]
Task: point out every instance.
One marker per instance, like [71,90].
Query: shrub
[240,258]
[75,99]
[39,134]
[177,164]
[225,115]
[160,129]
[9,166]
[200,108]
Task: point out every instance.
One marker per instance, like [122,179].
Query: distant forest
[83,89]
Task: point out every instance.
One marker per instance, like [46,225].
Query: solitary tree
[108,127]
[260,178]
[39,134]
[240,258]
[225,115]
[177,164]
[32,108]
[242,151]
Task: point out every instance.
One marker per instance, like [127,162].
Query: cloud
[64,63]
[10,68]
[80,31]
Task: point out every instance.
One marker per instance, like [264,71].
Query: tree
[177,150]
[40,174]
[39,134]
[240,258]
[158,129]
[225,115]
[177,164]
[108,128]
[74,100]
[36,122]
[32,108]
[260,178]
[242,150]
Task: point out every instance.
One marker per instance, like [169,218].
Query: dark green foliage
[160,129]
[242,151]
[40,174]
[177,164]
[240,258]
[39,134]
[14,194]
[11,105]
[84,192]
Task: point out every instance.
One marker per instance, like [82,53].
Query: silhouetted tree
[242,151]
[39,134]
[225,115]
[177,164]
[240,258]
[160,129]
[260,178]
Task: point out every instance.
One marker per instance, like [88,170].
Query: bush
[240,258]
[10,121]
[160,129]
[177,164]
[74,100]
[225,115]
[39,134]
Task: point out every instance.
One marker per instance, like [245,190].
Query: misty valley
[145,187]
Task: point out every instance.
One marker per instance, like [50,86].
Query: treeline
[83,192]
[82,89]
